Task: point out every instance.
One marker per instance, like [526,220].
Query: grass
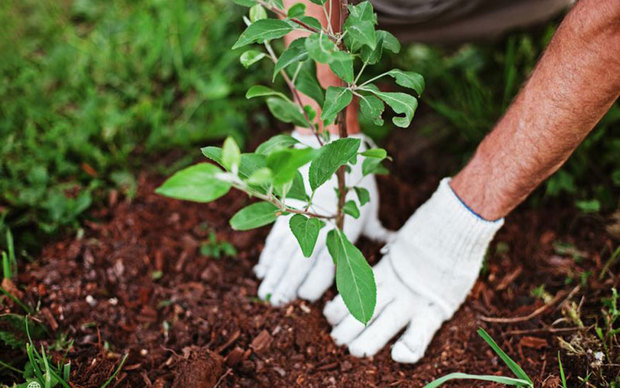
[521,380]
[91,89]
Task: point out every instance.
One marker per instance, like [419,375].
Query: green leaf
[263,30]
[275,143]
[592,206]
[254,216]
[351,209]
[297,10]
[513,366]
[296,189]
[390,42]
[308,84]
[284,163]
[336,99]
[310,112]
[320,47]
[331,156]
[341,64]
[231,155]
[257,12]
[360,27]
[198,183]
[250,162]
[354,277]
[465,376]
[373,166]
[360,34]
[385,41]
[278,3]
[362,195]
[371,107]
[373,56]
[379,153]
[408,79]
[362,12]
[260,177]
[296,52]
[245,3]
[250,57]
[286,111]
[306,231]
[310,21]
[401,103]
[323,50]
[261,91]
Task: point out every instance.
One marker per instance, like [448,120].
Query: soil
[135,282]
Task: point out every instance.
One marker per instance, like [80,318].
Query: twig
[222,377]
[560,295]
[544,330]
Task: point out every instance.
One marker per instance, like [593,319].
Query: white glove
[425,276]
[286,273]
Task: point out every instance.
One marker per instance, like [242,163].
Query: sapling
[271,173]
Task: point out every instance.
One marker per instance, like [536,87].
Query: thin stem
[374,79]
[360,73]
[299,66]
[240,185]
[10,367]
[328,17]
[342,130]
[295,93]
[283,14]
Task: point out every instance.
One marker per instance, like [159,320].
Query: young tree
[271,173]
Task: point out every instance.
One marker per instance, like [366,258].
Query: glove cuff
[439,251]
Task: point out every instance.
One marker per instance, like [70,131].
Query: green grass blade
[66,371]
[19,302]
[514,367]
[465,376]
[48,371]
[31,352]
[4,365]
[120,366]
[6,266]
[562,371]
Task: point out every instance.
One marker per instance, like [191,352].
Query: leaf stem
[240,185]
[374,78]
[360,73]
[295,93]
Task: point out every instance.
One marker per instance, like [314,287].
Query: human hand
[422,280]
[286,273]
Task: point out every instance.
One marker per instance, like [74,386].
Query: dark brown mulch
[136,283]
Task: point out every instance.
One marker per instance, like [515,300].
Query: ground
[135,282]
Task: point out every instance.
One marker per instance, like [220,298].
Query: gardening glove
[423,278]
[286,273]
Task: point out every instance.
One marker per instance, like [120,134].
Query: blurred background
[91,92]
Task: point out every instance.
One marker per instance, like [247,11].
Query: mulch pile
[135,282]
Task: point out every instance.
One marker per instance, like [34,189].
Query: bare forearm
[574,84]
